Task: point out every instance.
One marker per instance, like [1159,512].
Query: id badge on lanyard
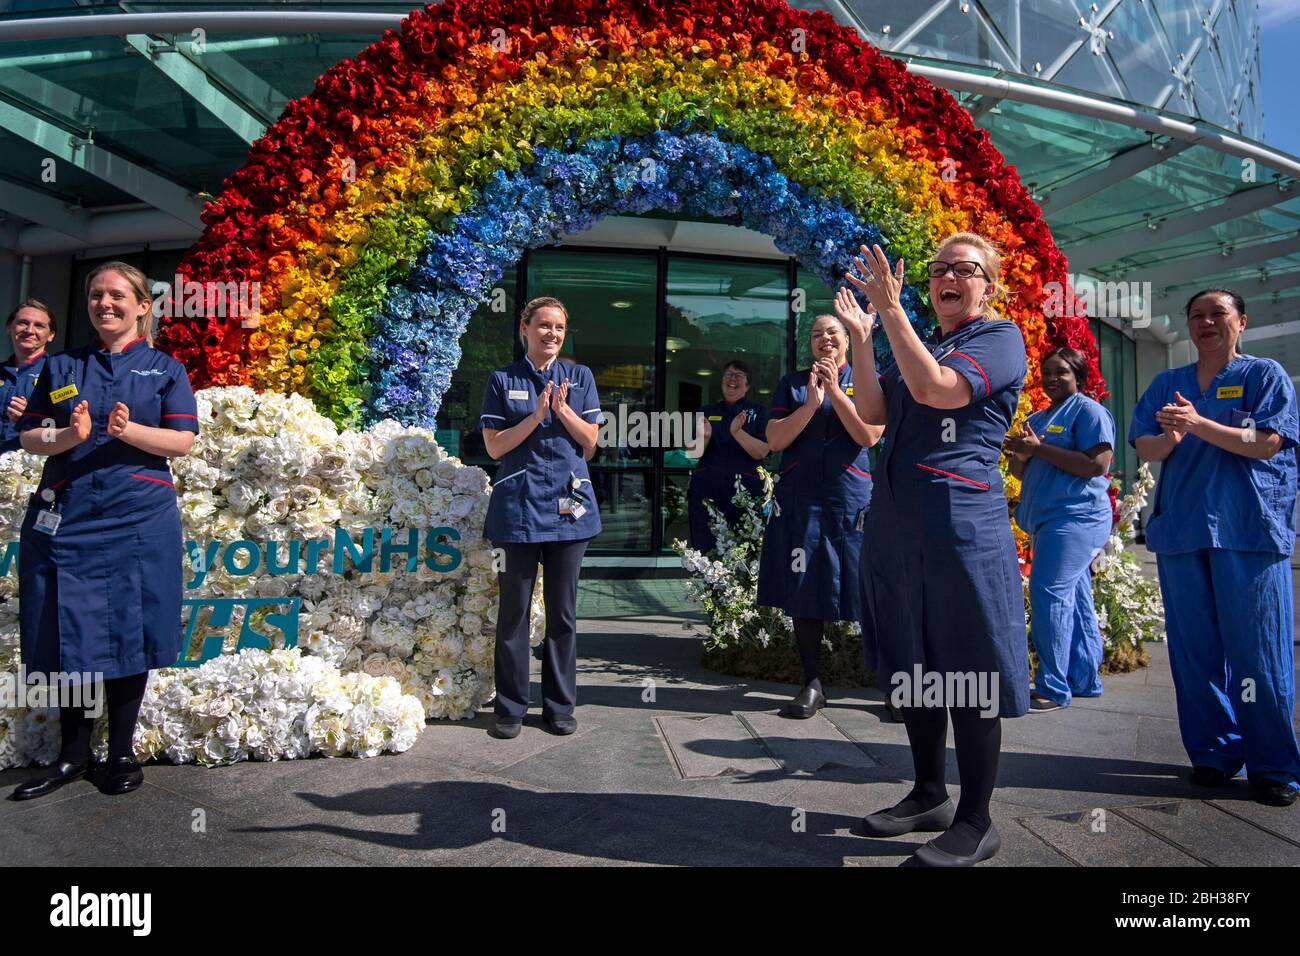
[47,521]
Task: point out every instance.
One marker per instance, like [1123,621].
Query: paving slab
[1105,839]
[806,746]
[1212,835]
[713,746]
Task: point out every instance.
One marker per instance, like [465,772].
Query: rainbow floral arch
[379,211]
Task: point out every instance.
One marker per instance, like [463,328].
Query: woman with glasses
[732,431]
[1223,528]
[1062,455]
[31,329]
[811,546]
[940,577]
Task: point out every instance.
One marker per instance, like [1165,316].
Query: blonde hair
[533,306]
[139,284]
[992,262]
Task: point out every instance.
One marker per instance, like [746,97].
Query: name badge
[1228,391]
[67,391]
[1056,429]
[48,521]
[849,390]
[715,418]
[517,393]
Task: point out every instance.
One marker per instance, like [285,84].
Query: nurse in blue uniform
[941,579]
[31,328]
[1062,454]
[1223,528]
[100,573]
[808,565]
[733,432]
[540,420]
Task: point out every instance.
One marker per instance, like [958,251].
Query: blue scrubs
[103,593]
[941,578]
[714,478]
[813,540]
[16,381]
[1068,519]
[1222,528]
[525,519]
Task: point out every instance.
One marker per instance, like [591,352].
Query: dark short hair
[32,304]
[739,366]
[1238,302]
[1073,358]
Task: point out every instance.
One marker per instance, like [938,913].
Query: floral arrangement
[269,467]
[378,211]
[743,637]
[1129,607]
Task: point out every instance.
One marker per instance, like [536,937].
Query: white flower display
[271,470]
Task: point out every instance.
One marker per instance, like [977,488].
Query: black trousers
[561,563]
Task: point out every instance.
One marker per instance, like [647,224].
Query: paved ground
[673,765]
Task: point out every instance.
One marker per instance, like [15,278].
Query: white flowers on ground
[270,469]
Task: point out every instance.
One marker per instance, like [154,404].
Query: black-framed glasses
[962,269]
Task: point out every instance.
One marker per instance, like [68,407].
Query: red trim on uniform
[181,415]
[58,484]
[940,471]
[35,357]
[789,466]
[778,408]
[858,471]
[988,389]
[159,480]
[32,414]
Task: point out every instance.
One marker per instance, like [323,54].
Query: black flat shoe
[120,775]
[930,855]
[51,779]
[506,728]
[562,725]
[1274,793]
[883,824]
[1208,777]
[805,704]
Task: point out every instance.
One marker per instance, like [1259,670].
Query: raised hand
[17,405]
[80,421]
[882,284]
[829,374]
[860,324]
[1178,417]
[543,403]
[561,397]
[118,419]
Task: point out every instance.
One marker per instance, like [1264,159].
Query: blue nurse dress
[940,576]
[813,539]
[16,381]
[103,593]
[714,478]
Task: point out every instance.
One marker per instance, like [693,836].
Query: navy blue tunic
[714,478]
[16,381]
[813,539]
[103,593]
[533,476]
[941,581]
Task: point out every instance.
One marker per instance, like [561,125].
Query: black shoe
[563,724]
[1044,705]
[120,775]
[1209,777]
[51,779]
[805,704]
[883,824]
[895,713]
[930,855]
[1274,793]
[506,728]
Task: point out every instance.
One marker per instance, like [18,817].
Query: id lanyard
[47,521]
[569,504]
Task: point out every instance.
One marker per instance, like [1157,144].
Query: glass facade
[1199,59]
[1118,361]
